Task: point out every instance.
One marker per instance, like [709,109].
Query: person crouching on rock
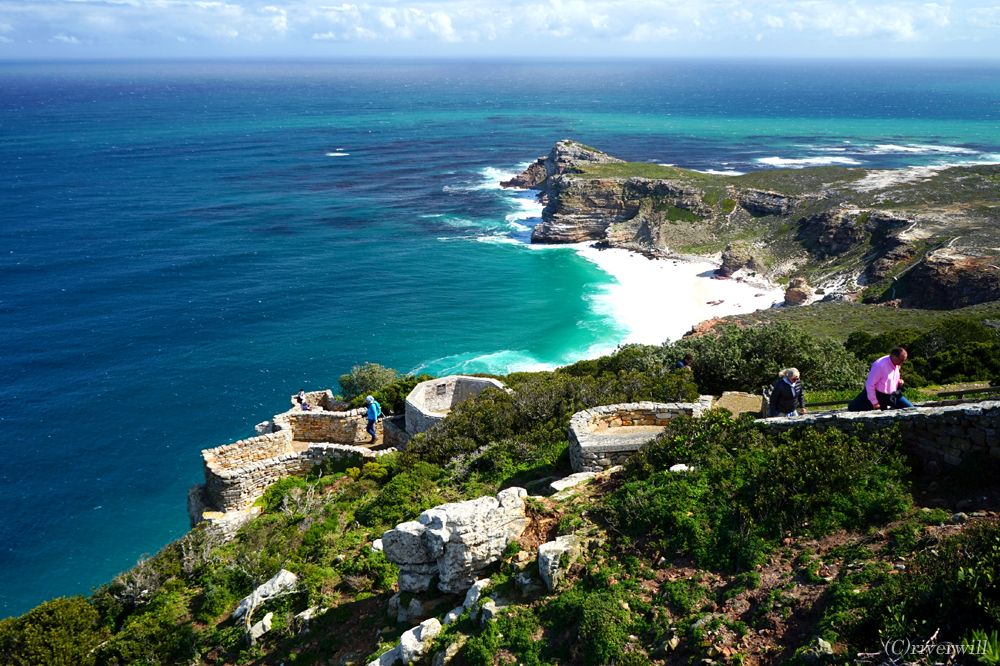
[786,395]
[884,387]
[374,411]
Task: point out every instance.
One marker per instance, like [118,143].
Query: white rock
[550,558]
[476,591]
[261,628]
[377,545]
[456,541]
[681,467]
[451,617]
[571,481]
[390,658]
[281,582]
[488,611]
[413,644]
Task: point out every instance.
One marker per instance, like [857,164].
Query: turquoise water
[182,246]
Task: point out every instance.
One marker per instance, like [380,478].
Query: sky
[131,29]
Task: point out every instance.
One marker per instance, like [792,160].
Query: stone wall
[233,486]
[430,401]
[293,442]
[322,426]
[601,437]
[949,434]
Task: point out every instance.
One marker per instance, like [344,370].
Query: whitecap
[500,362]
[337,154]
[919,149]
[720,172]
[800,162]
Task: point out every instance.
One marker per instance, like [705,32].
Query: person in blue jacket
[374,411]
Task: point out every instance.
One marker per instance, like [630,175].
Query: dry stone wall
[602,437]
[291,443]
[951,434]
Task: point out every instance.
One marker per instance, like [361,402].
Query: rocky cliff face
[827,225]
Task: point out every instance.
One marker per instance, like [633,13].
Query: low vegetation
[769,543]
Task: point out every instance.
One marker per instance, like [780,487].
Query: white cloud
[63,38]
[553,27]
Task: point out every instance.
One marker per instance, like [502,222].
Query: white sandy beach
[661,299]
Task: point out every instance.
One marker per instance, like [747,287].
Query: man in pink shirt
[882,383]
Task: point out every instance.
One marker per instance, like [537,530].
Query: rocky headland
[927,240]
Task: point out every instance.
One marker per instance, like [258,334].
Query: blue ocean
[183,245]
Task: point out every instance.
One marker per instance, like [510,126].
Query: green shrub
[60,632]
[391,396]
[275,495]
[403,497]
[161,633]
[734,358]
[955,350]
[364,379]
[515,633]
[750,487]
[596,619]
[946,591]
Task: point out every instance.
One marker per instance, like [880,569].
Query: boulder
[281,583]
[799,292]
[415,643]
[552,564]
[453,543]
[737,256]
[261,628]
[571,481]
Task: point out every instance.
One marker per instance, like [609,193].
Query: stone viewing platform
[429,402]
[296,441]
[602,437]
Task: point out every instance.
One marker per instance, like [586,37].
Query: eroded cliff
[880,235]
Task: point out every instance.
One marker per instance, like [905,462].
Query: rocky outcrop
[784,222]
[799,292]
[762,202]
[566,156]
[946,280]
[556,557]
[454,543]
[280,584]
[737,256]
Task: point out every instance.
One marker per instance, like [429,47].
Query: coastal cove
[185,245]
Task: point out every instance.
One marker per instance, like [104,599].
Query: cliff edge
[920,238]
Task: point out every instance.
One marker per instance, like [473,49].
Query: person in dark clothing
[786,395]
[685,362]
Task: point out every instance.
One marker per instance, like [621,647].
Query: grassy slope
[839,320]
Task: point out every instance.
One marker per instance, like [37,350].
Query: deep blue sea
[184,245]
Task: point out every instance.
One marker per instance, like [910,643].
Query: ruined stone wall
[246,451]
[322,426]
[950,434]
[236,486]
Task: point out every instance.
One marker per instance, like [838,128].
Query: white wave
[337,154]
[500,362]
[720,172]
[919,149]
[801,162]
[502,240]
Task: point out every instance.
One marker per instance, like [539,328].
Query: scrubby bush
[734,358]
[60,632]
[947,591]
[365,379]
[534,419]
[596,620]
[391,396]
[750,487]
[956,350]
[403,497]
